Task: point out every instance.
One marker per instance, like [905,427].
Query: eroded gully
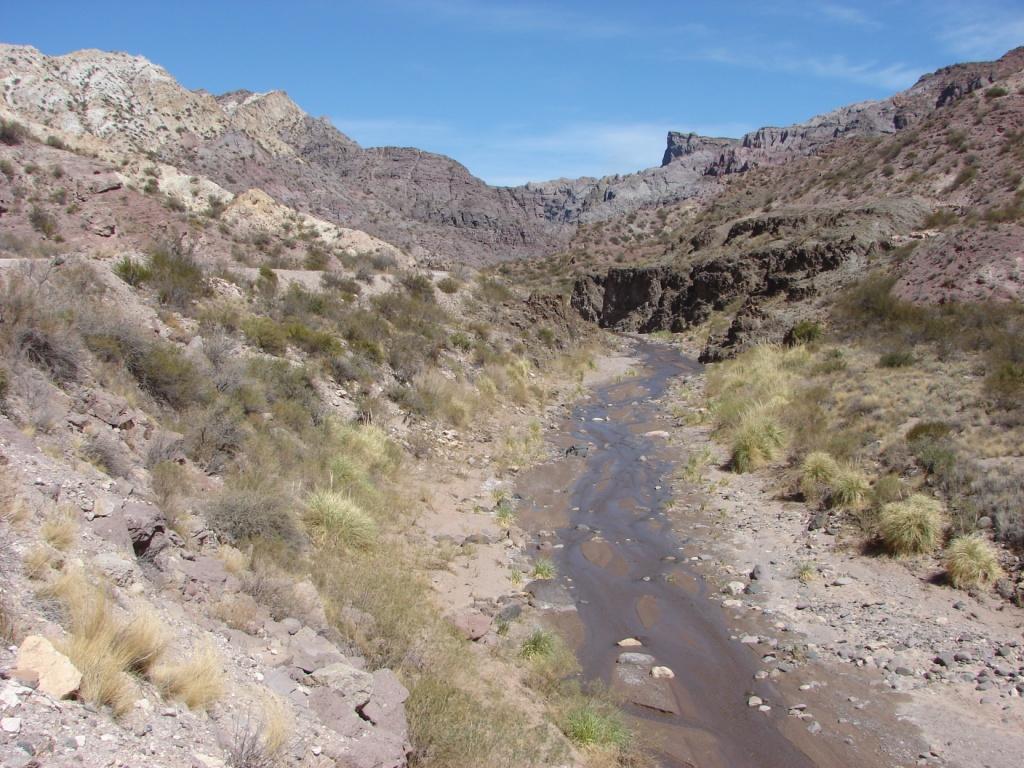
[601,517]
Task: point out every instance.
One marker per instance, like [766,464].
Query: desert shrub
[131,271]
[167,374]
[971,561]
[804,332]
[336,519]
[449,285]
[547,337]
[540,643]
[900,358]
[996,92]
[912,526]
[12,133]
[491,291]
[104,451]
[460,341]
[7,168]
[54,351]
[887,489]
[331,281]
[266,334]
[42,221]
[175,275]
[941,217]
[419,286]
[1005,383]
[246,514]
[55,142]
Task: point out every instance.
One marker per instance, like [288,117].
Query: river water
[622,574]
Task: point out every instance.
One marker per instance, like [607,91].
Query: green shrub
[996,92]
[175,275]
[335,519]
[12,133]
[266,334]
[1005,383]
[928,430]
[540,643]
[896,359]
[547,337]
[544,569]
[449,285]
[756,440]
[419,286]
[593,725]
[42,221]
[911,527]
[850,489]
[311,340]
[817,473]
[131,271]
[55,142]
[167,374]
[804,332]
[971,561]
[247,515]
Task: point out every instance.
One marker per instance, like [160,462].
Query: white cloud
[846,14]
[530,17]
[989,39]
[892,77]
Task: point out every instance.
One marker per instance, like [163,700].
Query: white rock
[629,642]
[57,676]
[662,672]
[755,701]
[11,724]
[734,588]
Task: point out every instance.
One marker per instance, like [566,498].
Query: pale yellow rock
[662,672]
[58,677]
[629,642]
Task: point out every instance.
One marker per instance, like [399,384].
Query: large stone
[311,652]
[39,660]
[385,708]
[147,527]
[472,624]
[354,684]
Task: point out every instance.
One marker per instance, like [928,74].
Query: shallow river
[620,567]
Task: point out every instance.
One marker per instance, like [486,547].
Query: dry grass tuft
[60,529]
[817,473]
[336,519]
[911,527]
[971,561]
[198,682]
[38,561]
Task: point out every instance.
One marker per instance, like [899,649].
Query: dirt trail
[625,571]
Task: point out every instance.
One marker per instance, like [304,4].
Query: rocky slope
[939,202]
[428,204]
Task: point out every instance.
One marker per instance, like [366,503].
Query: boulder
[472,625]
[38,660]
[311,652]
[147,527]
[354,684]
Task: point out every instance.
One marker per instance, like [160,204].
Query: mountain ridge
[429,204]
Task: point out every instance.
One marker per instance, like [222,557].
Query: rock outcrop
[427,204]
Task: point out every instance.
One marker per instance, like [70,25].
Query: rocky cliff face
[426,203]
[785,257]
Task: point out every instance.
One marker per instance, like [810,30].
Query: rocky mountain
[936,199]
[428,204]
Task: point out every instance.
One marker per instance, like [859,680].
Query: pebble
[11,724]
[755,701]
[814,727]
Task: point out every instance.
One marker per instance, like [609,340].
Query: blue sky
[525,90]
